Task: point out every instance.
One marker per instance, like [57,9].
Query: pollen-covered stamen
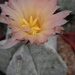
[35,30]
[34,22]
[31,20]
[32,25]
[22,26]
[25,22]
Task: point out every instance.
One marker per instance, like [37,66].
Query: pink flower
[32,20]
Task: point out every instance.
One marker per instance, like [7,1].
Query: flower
[32,20]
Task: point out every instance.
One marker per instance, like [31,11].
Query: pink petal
[61,14]
[58,22]
[23,7]
[53,23]
[13,25]
[59,29]
[48,32]
[20,35]
[2,19]
[14,28]
[51,4]
[8,11]
[14,4]
[27,6]
[27,29]
[41,38]
[41,4]
[32,38]
[9,43]
[38,38]
[48,13]
[48,4]
[6,3]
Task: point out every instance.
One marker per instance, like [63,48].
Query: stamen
[34,32]
[23,26]
[34,22]
[26,23]
[32,26]
[31,20]
[36,28]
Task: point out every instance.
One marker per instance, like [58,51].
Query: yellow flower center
[32,25]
